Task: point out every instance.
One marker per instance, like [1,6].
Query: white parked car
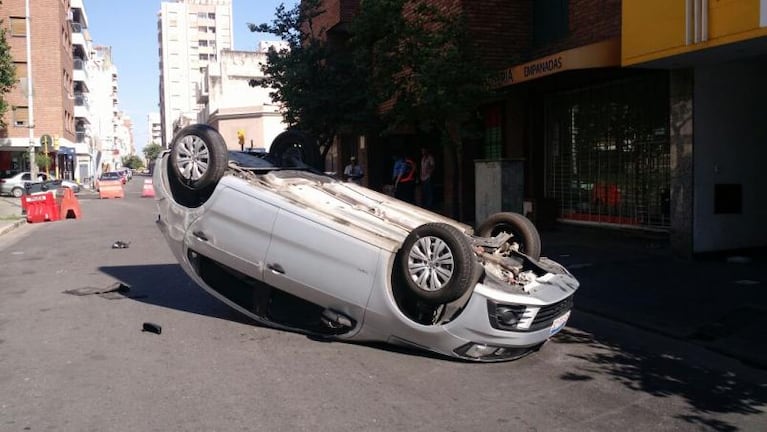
[15,184]
[296,249]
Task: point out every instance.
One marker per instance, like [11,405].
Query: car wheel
[523,232]
[295,149]
[437,262]
[17,192]
[198,156]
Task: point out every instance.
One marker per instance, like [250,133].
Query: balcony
[78,35]
[82,107]
[79,71]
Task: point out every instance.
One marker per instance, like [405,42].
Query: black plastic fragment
[152,328]
[119,244]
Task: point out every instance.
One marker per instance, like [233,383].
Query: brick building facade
[51,68]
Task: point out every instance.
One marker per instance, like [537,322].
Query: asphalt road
[82,362]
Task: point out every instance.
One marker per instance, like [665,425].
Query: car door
[235,230]
[323,263]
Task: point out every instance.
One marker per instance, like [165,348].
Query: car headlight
[505,316]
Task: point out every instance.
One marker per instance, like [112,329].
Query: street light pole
[30,99]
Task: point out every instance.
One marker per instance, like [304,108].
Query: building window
[203,57]
[203,43]
[550,20]
[212,15]
[493,144]
[21,72]
[20,116]
[18,26]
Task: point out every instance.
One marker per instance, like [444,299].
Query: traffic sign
[46,140]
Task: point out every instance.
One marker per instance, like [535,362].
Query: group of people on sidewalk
[406,176]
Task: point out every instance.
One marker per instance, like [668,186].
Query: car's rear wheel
[197,161]
[295,149]
[198,156]
[437,263]
[523,232]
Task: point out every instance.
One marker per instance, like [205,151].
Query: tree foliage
[319,88]
[7,73]
[151,152]
[421,62]
[132,162]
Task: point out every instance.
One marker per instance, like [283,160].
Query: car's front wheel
[437,263]
[523,232]
[17,192]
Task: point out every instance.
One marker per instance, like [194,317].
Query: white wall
[730,146]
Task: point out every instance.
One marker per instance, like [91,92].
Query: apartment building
[630,114]
[51,112]
[154,127]
[191,34]
[244,115]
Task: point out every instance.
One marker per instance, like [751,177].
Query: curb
[6,229]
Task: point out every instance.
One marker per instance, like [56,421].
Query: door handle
[276,268]
[200,235]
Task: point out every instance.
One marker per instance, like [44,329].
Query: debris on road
[119,244]
[152,328]
[117,287]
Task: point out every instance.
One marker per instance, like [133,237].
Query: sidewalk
[716,302]
[719,303]
[10,214]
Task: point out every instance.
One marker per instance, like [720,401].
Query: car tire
[292,148]
[17,192]
[198,157]
[521,228]
[437,263]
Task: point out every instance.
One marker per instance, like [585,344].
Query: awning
[601,54]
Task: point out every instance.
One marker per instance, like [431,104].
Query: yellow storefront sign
[600,54]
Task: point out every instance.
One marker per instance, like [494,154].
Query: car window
[26,176]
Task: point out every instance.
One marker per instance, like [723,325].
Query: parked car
[276,239]
[15,184]
[109,176]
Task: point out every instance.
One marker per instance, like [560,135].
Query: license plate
[559,324]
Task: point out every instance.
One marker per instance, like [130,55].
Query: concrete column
[681,142]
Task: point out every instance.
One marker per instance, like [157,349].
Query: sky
[130,28]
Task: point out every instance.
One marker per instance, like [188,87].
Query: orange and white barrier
[70,206]
[148,190]
[111,189]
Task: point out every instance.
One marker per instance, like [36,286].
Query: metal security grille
[608,153]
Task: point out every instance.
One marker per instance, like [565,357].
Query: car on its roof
[275,238]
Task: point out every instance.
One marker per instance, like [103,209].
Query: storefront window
[608,153]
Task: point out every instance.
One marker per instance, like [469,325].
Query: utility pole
[30,98]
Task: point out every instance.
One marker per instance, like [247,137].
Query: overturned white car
[296,249]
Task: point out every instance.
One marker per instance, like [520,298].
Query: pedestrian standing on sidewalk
[353,171]
[403,176]
[427,187]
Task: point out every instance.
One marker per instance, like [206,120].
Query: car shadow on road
[166,285]
[710,393]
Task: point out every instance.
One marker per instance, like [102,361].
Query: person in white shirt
[353,172]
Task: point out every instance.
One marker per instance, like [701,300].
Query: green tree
[320,88]
[7,73]
[151,152]
[132,162]
[424,66]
